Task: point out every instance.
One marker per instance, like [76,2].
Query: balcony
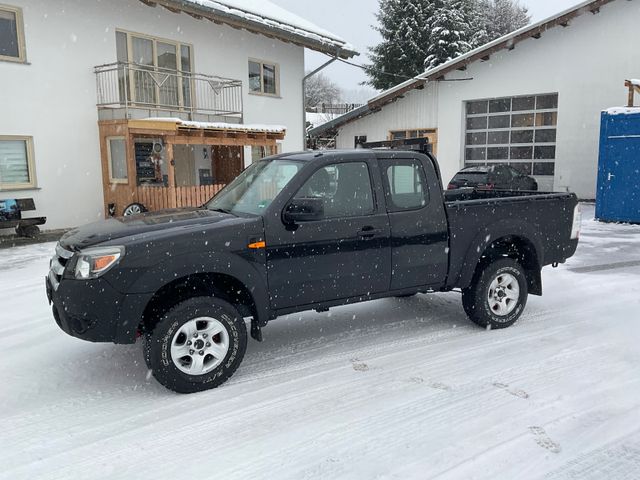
[129,90]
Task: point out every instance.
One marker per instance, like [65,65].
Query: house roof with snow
[262,17]
[483,53]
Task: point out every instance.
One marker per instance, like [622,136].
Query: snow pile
[635,82]
[622,110]
[242,127]
[271,15]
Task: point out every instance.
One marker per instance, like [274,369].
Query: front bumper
[93,310]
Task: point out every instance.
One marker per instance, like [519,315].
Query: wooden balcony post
[171,172]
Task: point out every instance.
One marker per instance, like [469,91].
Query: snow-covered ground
[395,388]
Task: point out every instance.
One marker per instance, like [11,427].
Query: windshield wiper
[223,210]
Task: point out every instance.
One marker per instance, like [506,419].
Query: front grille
[58,264]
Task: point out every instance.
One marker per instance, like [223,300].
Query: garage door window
[519,131]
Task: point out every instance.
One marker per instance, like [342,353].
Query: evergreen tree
[419,34]
[405,27]
[449,33]
[502,17]
[474,13]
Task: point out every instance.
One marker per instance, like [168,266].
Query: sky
[352,20]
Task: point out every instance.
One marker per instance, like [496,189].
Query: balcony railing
[130,85]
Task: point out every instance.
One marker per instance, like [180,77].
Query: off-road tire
[475,298]
[157,351]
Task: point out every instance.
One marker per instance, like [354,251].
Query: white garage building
[531,99]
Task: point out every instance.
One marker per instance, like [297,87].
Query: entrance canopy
[158,163]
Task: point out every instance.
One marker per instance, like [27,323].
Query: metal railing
[130,85]
[336,108]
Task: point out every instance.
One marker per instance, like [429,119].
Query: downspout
[304,99]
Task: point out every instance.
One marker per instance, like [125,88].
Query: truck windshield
[255,188]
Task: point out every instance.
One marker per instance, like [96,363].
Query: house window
[520,131]
[117,151]
[429,133]
[159,71]
[264,78]
[415,133]
[11,34]
[16,163]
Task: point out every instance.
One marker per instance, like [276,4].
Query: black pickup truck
[295,232]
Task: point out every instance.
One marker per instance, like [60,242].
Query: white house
[532,99]
[157,102]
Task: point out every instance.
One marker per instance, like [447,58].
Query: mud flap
[256,330]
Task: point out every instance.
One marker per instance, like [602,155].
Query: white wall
[419,109]
[53,97]
[586,63]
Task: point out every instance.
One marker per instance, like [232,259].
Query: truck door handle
[368,232]
[610,176]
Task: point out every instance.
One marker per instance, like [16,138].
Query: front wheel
[134,209]
[197,345]
[497,295]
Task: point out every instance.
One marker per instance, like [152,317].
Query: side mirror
[304,210]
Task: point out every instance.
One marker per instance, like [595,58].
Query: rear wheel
[498,294]
[197,345]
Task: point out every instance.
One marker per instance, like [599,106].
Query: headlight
[94,262]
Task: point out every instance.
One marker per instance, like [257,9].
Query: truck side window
[344,187]
[404,184]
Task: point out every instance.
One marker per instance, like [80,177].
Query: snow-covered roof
[262,16]
[506,42]
[622,110]
[238,127]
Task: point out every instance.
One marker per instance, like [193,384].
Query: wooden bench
[11,216]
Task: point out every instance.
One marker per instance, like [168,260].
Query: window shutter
[14,164]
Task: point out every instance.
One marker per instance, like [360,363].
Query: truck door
[419,235]
[345,253]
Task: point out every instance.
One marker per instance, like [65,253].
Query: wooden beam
[172,9]
[159,125]
[171,173]
[632,91]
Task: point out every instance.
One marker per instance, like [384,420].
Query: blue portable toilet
[618,194]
